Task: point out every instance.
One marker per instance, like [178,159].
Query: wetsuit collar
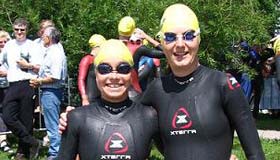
[187,79]
[116,108]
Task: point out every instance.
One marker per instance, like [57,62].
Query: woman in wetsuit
[86,78]
[198,107]
[112,127]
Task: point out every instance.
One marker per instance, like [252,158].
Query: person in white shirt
[52,74]
[18,103]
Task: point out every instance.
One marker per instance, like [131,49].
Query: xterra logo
[232,82]
[116,146]
[182,122]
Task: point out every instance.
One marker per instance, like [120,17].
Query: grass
[265,122]
[271,147]
[271,150]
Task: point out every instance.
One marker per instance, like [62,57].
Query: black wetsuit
[198,114]
[121,131]
[145,51]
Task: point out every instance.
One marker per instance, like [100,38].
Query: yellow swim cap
[178,15]
[113,49]
[96,40]
[126,26]
[276,46]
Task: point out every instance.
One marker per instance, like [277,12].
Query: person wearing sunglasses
[113,126]
[18,105]
[199,108]
[86,77]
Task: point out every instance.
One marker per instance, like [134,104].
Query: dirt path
[269,134]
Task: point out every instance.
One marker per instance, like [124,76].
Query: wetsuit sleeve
[148,67]
[237,110]
[144,73]
[145,51]
[147,97]
[152,114]
[69,141]
[159,47]
[83,70]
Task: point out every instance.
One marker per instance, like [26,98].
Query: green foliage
[222,22]
[268,122]
[270,147]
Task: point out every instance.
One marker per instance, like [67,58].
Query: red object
[135,81]
[84,65]
[156,62]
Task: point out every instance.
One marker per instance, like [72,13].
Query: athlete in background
[276,49]
[86,78]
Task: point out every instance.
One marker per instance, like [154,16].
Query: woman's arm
[145,51]
[237,109]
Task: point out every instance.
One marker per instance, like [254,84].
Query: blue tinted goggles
[187,36]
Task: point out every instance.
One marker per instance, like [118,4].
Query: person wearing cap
[126,27]
[199,108]
[271,89]
[135,39]
[113,126]
[86,78]
[276,49]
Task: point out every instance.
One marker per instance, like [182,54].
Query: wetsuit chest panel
[116,140]
[194,115]
[127,136]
